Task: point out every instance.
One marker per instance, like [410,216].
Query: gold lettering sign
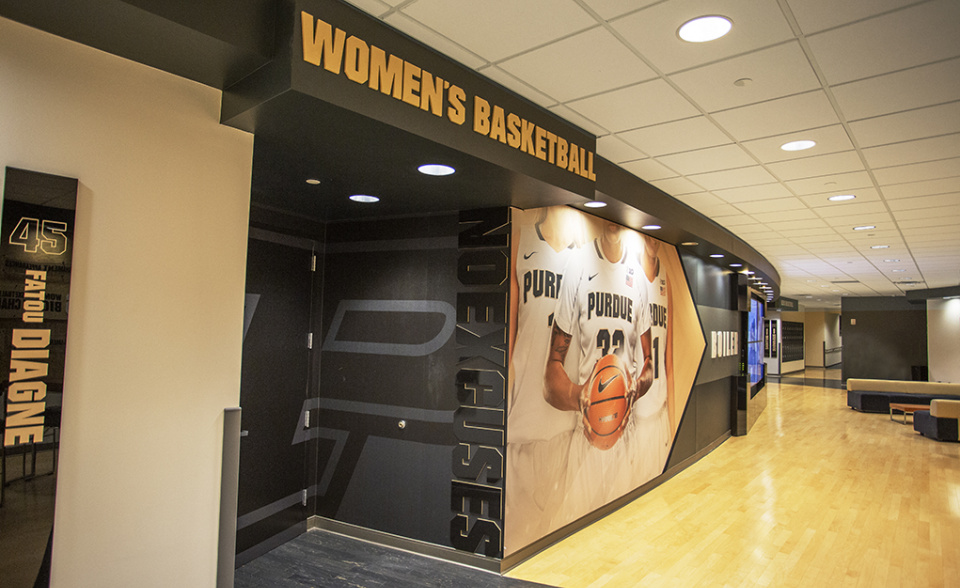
[329,47]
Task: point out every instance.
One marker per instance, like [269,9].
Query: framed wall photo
[36,249]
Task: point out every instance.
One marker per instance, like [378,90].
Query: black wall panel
[388,357]
[888,339]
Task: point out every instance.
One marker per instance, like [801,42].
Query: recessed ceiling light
[651,227]
[898,270]
[435,169]
[891,260]
[716,255]
[736,265]
[364,198]
[743,82]
[842,197]
[313,181]
[704,28]
[798,145]
[690,243]
[748,272]
[595,204]
[879,247]
[865,228]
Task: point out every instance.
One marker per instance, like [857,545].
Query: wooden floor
[816,495]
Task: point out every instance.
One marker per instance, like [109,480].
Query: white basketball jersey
[656,397]
[607,301]
[540,272]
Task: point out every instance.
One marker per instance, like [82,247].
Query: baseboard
[441,552]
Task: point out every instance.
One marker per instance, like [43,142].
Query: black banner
[36,247]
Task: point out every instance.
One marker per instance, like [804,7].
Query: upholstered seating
[868,395]
[940,422]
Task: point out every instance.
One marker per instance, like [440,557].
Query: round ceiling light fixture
[690,243]
[651,227]
[704,29]
[798,145]
[716,255]
[865,228]
[313,181]
[841,197]
[435,169]
[595,204]
[879,247]
[364,198]
[736,265]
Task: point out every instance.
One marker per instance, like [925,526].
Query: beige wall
[943,340]
[156,305]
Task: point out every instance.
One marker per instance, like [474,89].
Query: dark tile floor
[323,559]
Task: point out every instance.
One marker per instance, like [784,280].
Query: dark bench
[941,422]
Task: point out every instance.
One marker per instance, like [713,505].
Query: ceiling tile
[613,148]
[708,160]
[914,151]
[863,195]
[653,31]
[373,7]
[918,172]
[907,126]
[785,215]
[921,202]
[777,117]
[677,186]
[882,220]
[797,225]
[520,87]
[817,15]
[927,213]
[649,170]
[677,136]
[608,9]
[722,210]
[635,106]
[816,166]
[836,184]
[430,37]
[839,209]
[914,36]
[775,205]
[929,188]
[576,118]
[924,223]
[775,72]
[700,200]
[903,90]
[832,139]
[751,193]
[720,180]
[587,63]
[496,29]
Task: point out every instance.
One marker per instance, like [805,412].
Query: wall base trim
[418,547]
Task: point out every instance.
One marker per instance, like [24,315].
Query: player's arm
[668,365]
[645,377]
[559,390]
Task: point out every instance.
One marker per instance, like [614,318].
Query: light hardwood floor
[816,495]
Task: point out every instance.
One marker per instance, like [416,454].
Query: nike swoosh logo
[529,256]
[602,385]
[593,276]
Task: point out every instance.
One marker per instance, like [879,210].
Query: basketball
[608,402]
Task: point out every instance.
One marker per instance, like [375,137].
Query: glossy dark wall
[711,407]
[888,339]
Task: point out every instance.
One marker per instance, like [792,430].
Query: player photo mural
[596,387]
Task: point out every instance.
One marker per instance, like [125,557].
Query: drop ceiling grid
[887,127]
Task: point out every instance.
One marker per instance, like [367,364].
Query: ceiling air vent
[845,282]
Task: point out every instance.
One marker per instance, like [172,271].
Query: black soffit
[224,43]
